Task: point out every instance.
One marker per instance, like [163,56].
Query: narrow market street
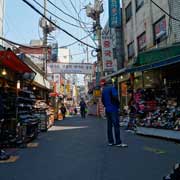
[76,149]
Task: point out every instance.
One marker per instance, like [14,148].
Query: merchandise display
[40,108]
[3,154]
[8,126]
[20,123]
[151,108]
[26,116]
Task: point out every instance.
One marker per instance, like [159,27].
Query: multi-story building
[148,26]
[152,60]
[1,18]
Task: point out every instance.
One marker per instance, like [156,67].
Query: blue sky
[22,23]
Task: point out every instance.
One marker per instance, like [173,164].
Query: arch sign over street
[69,68]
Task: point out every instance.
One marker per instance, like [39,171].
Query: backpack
[114,99]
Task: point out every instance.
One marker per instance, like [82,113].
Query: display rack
[27,120]
[40,108]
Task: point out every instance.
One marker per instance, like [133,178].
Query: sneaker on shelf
[121,145]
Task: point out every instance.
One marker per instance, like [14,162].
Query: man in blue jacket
[111,104]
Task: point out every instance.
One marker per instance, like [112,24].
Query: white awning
[39,79]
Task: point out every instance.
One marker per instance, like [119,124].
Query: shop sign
[124,89]
[61,89]
[160,28]
[107,52]
[68,88]
[70,68]
[97,93]
[114,13]
[56,79]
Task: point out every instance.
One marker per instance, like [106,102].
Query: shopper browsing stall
[63,111]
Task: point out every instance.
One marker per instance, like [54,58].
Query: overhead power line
[165,11]
[79,20]
[35,9]
[56,15]
[85,27]
[76,41]
[66,13]
[18,44]
[36,47]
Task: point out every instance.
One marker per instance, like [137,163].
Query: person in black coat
[63,111]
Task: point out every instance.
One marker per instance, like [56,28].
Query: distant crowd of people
[83,109]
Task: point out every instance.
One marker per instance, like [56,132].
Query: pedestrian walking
[111,104]
[63,111]
[75,111]
[83,107]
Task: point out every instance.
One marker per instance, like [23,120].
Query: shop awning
[157,54]
[155,65]
[119,72]
[53,94]
[41,81]
[9,59]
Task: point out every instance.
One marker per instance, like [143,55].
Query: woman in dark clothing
[83,108]
[63,111]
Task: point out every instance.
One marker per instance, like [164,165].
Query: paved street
[75,149]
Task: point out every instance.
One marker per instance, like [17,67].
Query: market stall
[19,124]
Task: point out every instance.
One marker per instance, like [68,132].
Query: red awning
[53,94]
[34,50]
[11,61]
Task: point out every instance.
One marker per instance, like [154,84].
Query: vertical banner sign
[107,52]
[57,81]
[114,13]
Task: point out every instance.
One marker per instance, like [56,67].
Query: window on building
[139,4]
[160,31]
[128,12]
[130,49]
[141,40]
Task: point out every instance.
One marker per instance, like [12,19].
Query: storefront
[20,124]
[156,98]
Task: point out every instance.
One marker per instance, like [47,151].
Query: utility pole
[47,27]
[99,51]
[94,13]
[45,34]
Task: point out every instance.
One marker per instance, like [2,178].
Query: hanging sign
[114,13]
[107,52]
[70,68]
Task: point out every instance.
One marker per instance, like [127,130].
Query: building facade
[147,26]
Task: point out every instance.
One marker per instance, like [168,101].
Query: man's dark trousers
[113,120]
